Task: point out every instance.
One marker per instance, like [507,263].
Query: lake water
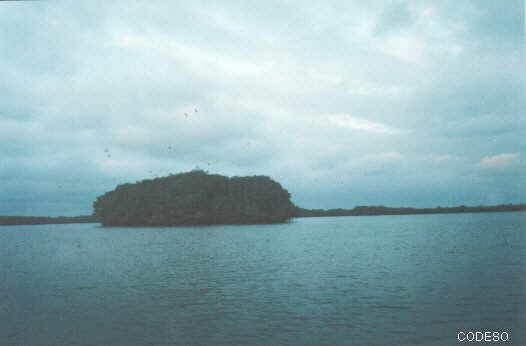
[382,280]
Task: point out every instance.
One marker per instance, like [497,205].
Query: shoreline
[381,210]
[300,213]
[44,220]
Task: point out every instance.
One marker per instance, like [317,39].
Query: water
[380,280]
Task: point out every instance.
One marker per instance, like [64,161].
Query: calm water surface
[382,280]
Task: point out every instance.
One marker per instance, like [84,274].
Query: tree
[195,198]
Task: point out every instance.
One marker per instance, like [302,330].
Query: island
[195,198]
[45,220]
[381,210]
[199,198]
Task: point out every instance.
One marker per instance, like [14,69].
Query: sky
[345,103]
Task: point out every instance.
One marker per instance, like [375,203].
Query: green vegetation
[43,220]
[381,210]
[195,198]
[199,198]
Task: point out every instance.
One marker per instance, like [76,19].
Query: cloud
[352,123]
[385,157]
[442,158]
[500,161]
[344,102]
[365,88]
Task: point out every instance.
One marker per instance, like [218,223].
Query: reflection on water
[319,281]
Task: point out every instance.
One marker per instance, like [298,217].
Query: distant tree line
[199,198]
[195,198]
[44,220]
[381,210]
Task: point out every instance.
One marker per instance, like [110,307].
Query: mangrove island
[200,198]
[195,198]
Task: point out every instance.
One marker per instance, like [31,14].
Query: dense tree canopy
[195,198]
[381,210]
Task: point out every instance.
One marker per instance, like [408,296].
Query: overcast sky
[345,103]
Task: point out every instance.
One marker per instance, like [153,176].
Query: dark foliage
[381,210]
[195,198]
[44,220]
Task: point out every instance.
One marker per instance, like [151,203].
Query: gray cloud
[345,103]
